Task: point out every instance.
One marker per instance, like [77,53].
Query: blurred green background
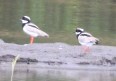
[59,18]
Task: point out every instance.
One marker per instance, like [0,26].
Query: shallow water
[59,18]
[57,75]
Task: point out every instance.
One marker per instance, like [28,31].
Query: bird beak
[77,33]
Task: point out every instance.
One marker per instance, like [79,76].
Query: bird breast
[34,31]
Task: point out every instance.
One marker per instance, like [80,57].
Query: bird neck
[78,33]
[23,24]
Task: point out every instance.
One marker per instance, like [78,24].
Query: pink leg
[85,49]
[31,40]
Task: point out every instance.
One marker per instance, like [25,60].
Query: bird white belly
[34,32]
[30,31]
[85,41]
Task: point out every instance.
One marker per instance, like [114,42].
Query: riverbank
[58,56]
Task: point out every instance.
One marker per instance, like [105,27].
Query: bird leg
[31,40]
[85,49]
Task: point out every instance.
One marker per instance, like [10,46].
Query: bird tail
[43,34]
[97,41]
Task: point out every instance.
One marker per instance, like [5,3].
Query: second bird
[85,39]
[31,29]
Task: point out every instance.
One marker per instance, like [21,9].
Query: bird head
[79,31]
[25,19]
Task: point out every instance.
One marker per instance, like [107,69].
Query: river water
[57,75]
[59,18]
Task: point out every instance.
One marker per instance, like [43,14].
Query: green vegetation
[59,18]
[13,66]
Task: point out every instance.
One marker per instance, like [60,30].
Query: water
[57,75]
[59,18]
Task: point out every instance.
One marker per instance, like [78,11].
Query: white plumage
[31,29]
[85,38]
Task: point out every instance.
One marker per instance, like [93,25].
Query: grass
[13,66]
[69,38]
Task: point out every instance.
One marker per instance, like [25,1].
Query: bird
[31,29]
[85,39]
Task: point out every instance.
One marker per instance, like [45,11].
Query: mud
[58,55]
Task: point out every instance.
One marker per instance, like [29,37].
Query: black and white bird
[85,39]
[31,29]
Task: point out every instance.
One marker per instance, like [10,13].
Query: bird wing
[92,39]
[42,33]
[86,38]
[32,28]
[33,25]
[86,34]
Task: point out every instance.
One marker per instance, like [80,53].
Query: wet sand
[58,56]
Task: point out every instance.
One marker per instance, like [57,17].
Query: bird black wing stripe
[34,26]
[85,35]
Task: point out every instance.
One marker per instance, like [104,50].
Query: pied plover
[85,39]
[31,29]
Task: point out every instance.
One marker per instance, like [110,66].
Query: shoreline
[58,56]
[62,67]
